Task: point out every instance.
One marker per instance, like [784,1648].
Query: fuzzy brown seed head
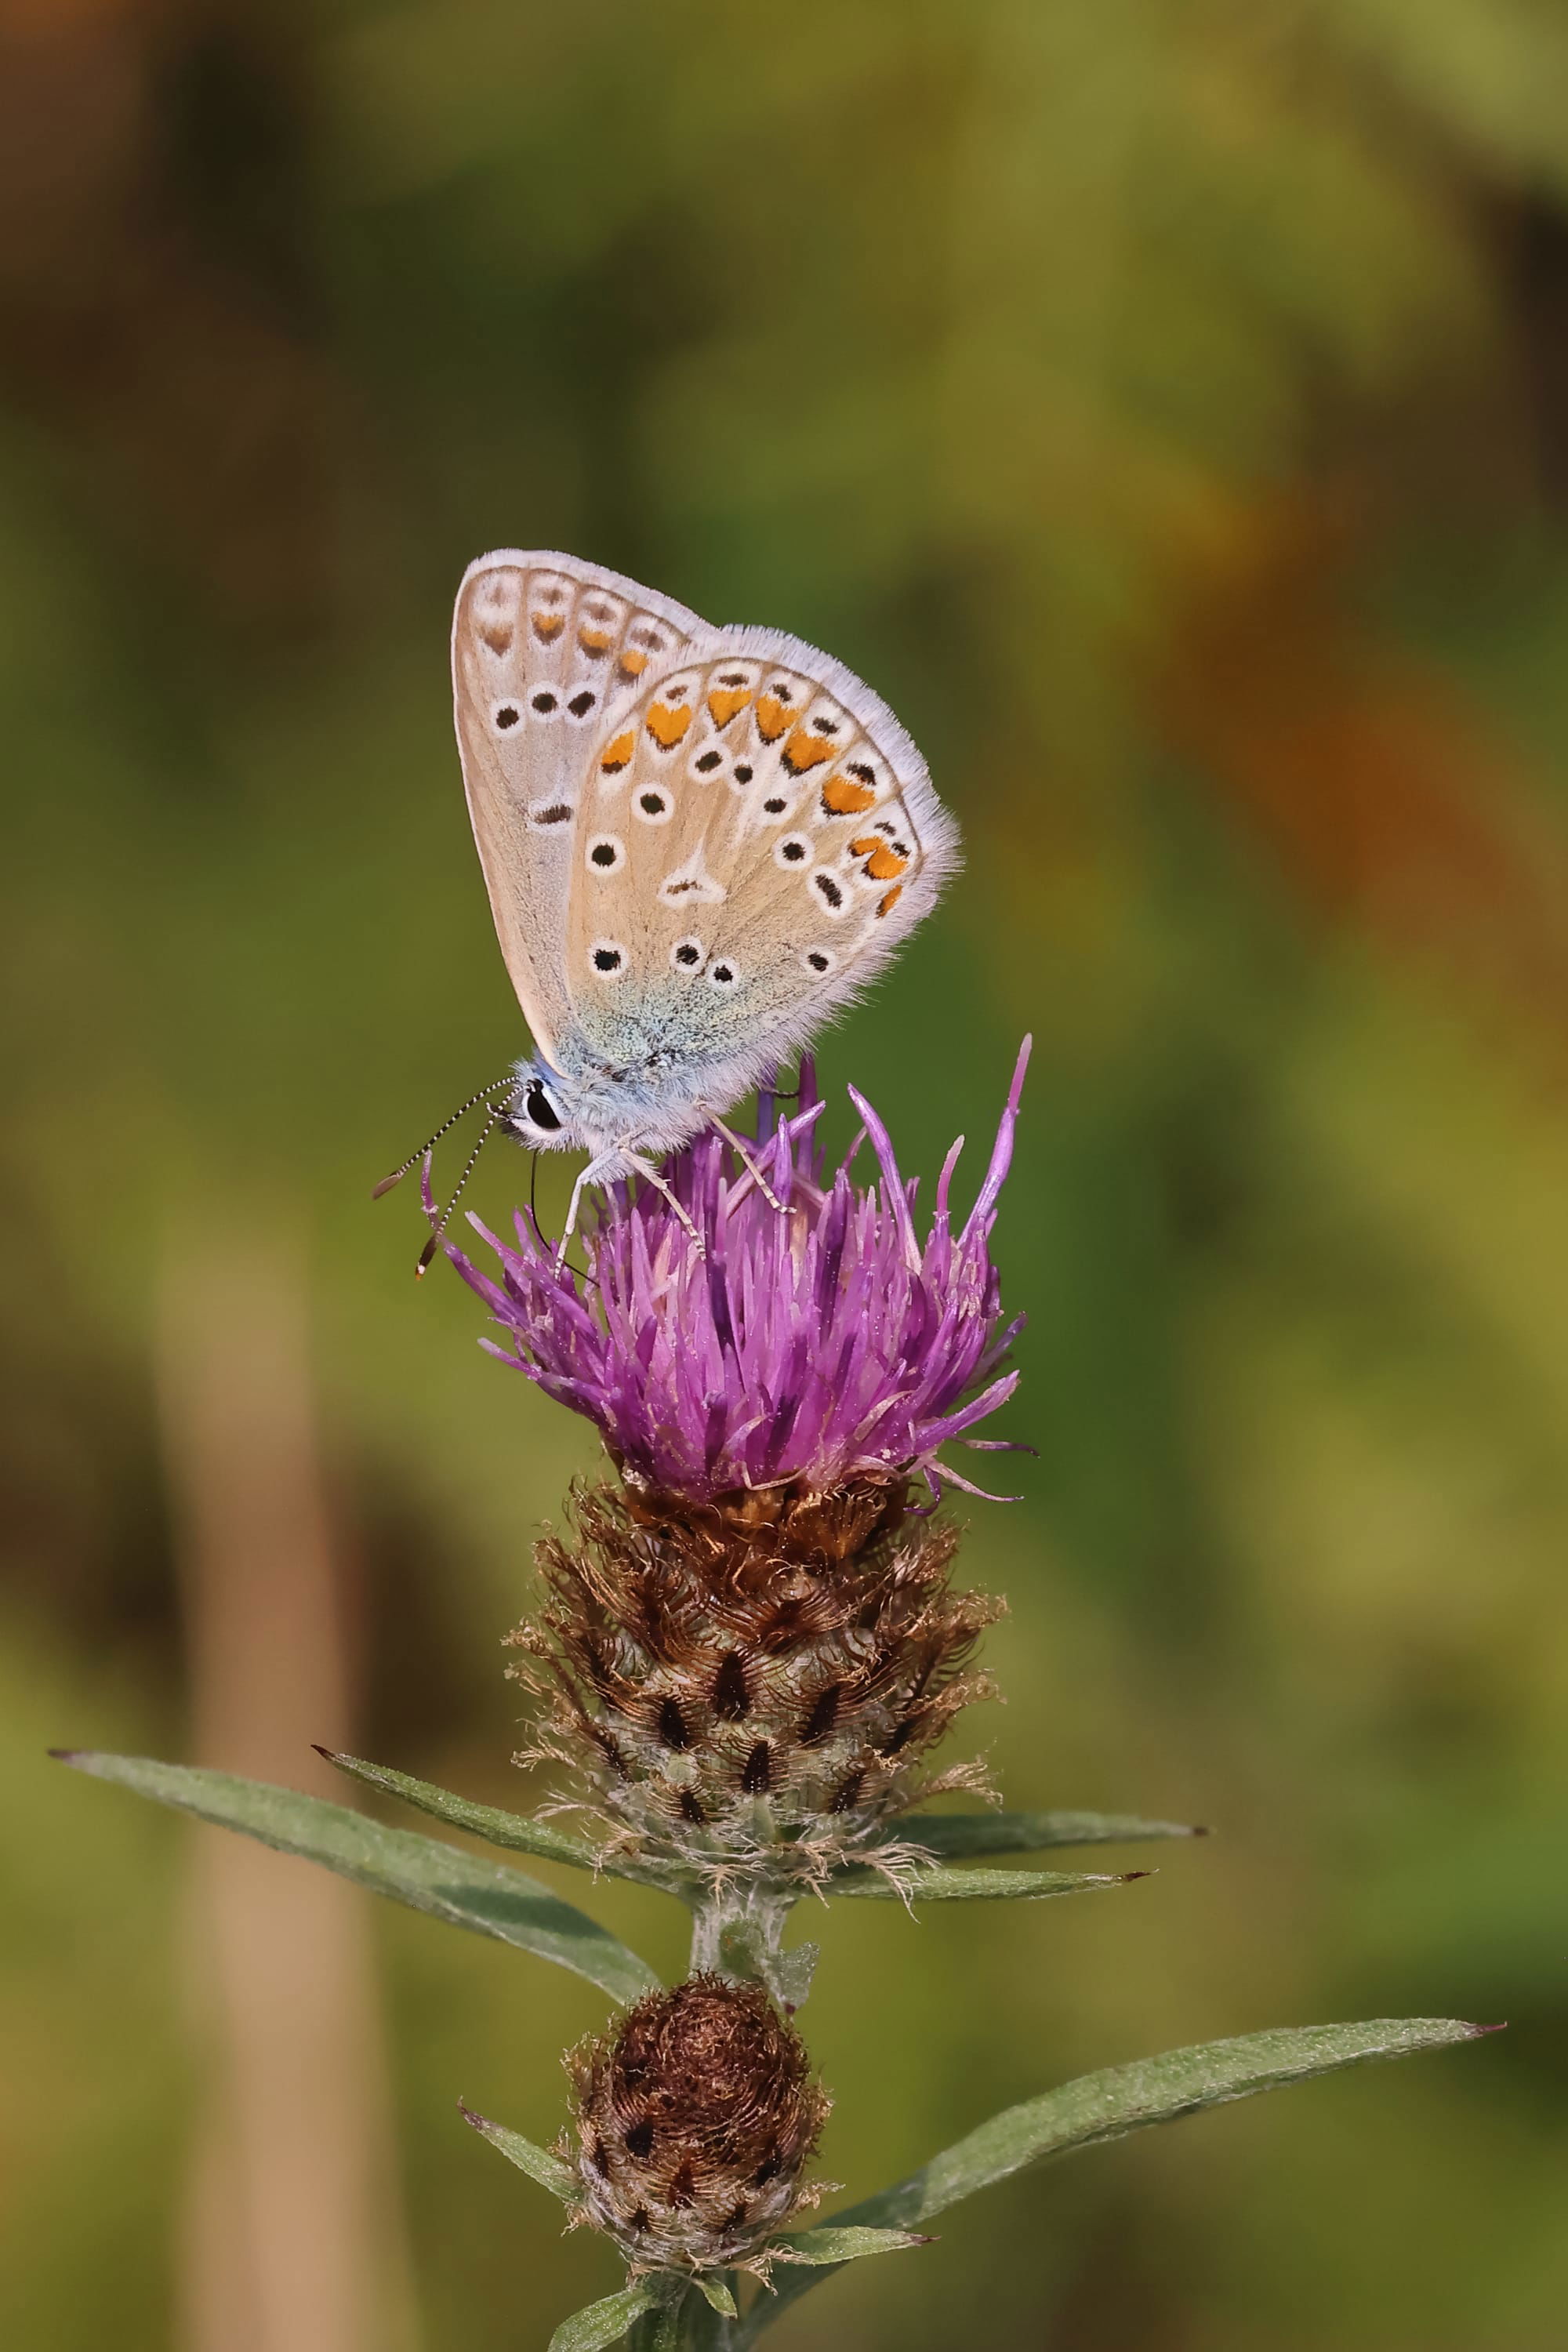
[694,2123]
[754,1682]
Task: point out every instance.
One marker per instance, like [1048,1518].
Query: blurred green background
[1164,403]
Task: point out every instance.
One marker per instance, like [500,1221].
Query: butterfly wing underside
[757,834]
[548,652]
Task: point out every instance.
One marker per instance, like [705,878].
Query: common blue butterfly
[700,845]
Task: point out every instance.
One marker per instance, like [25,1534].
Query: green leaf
[935,1884]
[598,2323]
[951,1837]
[516,1832]
[1121,2099]
[537,2162]
[716,2295]
[486,1896]
[833,2245]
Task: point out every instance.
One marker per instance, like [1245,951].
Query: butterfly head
[614,1112]
[593,1110]
[542,1113]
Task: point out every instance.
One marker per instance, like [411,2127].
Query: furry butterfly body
[700,844]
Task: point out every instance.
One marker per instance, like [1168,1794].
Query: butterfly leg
[588,1176]
[747,1162]
[620,1162]
[650,1175]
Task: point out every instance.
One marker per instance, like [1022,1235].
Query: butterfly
[700,845]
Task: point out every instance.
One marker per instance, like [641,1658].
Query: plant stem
[738,1932]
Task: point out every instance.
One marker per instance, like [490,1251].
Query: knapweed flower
[812,1349]
[749,1647]
[694,2121]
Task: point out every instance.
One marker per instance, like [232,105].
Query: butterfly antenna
[462,1110]
[434,1244]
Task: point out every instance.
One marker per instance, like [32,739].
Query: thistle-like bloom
[828,1344]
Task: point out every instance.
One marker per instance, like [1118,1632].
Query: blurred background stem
[292,2239]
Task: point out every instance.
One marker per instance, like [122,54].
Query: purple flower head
[808,1348]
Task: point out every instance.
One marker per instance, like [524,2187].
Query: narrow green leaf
[514,1831]
[814,2247]
[537,2162]
[517,1831]
[716,2295]
[486,1896]
[1121,2099]
[599,2323]
[935,1884]
[951,1837]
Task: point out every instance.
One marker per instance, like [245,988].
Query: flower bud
[694,2122]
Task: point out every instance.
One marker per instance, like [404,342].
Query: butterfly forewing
[548,654]
[757,834]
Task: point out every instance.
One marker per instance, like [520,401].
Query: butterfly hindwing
[548,653]
[757,834]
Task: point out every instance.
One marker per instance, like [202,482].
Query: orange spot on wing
[803,751]
[890,899]
[842,797]
[594,641]
[724,701]
[548,625]
[632,662]
[667,726]
[772,716]
[616,754]
[885,865]
[497,635]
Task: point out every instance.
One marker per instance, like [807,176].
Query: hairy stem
[737,1931]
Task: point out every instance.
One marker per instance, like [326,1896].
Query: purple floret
[808,1348]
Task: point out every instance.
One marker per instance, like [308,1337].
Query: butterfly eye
[539,1111]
